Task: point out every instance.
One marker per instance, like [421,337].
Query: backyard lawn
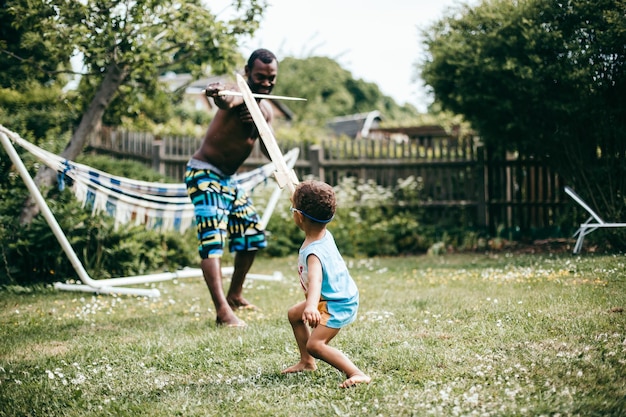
[454,335]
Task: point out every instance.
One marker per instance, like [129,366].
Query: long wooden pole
[283,174]
[255,95]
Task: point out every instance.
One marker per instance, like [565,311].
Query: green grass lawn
[462,335]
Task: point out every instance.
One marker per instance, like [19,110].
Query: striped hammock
[159,206]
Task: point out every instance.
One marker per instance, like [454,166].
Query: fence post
[481,195]
[157,148]
[316,159]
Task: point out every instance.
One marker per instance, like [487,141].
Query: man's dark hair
[263,54]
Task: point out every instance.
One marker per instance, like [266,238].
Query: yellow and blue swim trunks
[223,210]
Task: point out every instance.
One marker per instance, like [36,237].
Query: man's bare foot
[355,379]
[240,303]
[231,323]
[225,317]
[299,367]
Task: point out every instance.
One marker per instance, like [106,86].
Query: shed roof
[413,132]
[355,125]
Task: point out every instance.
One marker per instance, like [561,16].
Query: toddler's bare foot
[355,379]
[299,367]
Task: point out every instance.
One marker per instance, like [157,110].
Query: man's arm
[224,102]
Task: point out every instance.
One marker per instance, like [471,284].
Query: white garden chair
[594,221]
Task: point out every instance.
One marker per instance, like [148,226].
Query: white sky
[376,40]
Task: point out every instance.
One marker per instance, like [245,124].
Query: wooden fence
[498,192]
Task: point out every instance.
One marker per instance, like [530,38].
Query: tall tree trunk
[91,120]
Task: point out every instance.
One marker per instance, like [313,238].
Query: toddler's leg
[317,346]
[301,332]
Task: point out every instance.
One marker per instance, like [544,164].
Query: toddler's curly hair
[315,198]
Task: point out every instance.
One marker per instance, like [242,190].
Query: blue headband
[311,217]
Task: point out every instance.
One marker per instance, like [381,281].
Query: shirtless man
[222,208]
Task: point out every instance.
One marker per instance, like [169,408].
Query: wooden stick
[255,95]
[284,176]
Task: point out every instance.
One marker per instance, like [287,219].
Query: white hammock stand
[129,192]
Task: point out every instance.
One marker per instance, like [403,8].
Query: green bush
[126,168]
[37,111]
[32,254]
[375,221]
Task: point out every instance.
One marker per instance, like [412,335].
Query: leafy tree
[318,79]
[36,110]
[545,78]
[331,91]
[125,46]
[25,54]
[33,73]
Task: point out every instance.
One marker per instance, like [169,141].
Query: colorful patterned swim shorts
[223,209]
